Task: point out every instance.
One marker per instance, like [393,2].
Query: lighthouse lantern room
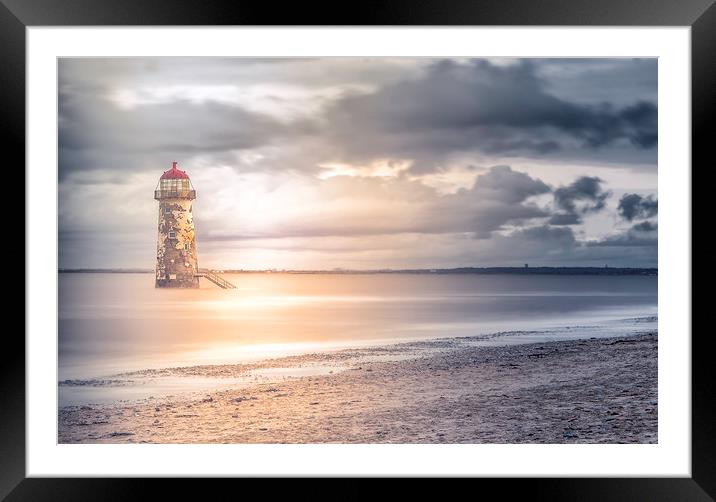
[177,264]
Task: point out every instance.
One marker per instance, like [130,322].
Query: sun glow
[380,168]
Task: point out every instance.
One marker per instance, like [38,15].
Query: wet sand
[583,391]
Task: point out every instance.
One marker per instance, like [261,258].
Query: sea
[115,329]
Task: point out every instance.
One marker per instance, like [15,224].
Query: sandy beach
[442,391]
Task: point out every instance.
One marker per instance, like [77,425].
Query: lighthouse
[177,265]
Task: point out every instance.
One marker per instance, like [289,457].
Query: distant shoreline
[437,271]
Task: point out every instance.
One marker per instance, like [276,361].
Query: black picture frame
[700,15]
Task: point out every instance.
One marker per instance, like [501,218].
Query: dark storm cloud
[645,226]
[549,245]
[538,245]
[96,134]
[585,195]
[565,219]
[597,80]
[482,106]
[640,121]
[498,198]
[506,185]
[545,245]
[633,206]
[642,234]
[564,235]
[449,108]
[585,189]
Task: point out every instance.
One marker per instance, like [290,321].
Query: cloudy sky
[363,163]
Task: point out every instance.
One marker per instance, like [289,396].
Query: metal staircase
[216,279]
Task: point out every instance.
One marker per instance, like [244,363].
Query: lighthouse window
[167,210]
[176,186]
[172,235]
[186,246]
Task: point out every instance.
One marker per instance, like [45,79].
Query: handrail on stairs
[216,279]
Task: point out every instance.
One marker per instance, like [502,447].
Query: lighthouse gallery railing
[174,194]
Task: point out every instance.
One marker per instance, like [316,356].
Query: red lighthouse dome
[174,173]
[174,183]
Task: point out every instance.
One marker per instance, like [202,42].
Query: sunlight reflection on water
[110,323]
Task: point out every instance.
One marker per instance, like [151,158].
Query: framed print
[412,241]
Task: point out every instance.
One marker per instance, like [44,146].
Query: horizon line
[523,268]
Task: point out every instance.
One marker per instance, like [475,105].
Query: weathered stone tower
[177,265]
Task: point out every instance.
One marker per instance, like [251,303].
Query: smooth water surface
[112,323]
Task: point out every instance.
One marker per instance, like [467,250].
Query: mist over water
[113,323]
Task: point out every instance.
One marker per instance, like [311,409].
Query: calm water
[112,323]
